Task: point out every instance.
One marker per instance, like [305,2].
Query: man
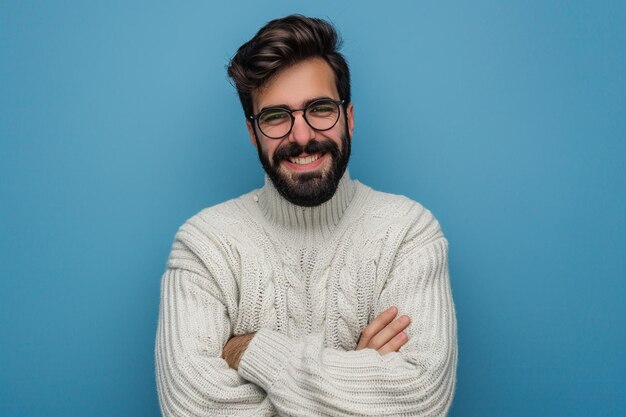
[314,295]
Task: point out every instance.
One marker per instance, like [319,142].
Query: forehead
[297,84]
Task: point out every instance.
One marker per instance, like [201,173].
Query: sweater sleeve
[306,379]
[194,325]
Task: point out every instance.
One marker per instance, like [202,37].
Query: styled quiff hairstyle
[280,44]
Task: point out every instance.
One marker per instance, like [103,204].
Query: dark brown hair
[280,44]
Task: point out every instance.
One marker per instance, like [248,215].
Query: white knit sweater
[307,281]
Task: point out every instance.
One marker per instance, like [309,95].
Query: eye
[273,116]
[322,108]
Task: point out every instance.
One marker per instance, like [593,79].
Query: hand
[235,348]
[384,333]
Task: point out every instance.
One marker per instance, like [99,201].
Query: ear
[250,127]
[350,117]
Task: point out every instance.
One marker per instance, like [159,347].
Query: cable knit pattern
[306,281]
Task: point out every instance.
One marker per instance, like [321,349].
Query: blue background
[506,118]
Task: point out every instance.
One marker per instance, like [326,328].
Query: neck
[321,219]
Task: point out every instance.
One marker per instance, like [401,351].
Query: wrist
[235,348]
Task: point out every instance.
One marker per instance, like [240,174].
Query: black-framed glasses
[277,122]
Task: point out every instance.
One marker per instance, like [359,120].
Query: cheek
[335,135]
[268,148]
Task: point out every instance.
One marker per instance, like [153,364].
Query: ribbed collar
[319,219]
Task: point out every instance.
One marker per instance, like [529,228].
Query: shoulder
[219,218]
[212,230]
[398,211]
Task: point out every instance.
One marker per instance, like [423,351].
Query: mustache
[293,149]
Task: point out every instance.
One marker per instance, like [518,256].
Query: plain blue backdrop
[506,118]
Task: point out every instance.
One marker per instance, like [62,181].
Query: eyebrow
[305,104]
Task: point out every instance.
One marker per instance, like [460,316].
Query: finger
[394,344]
[376,325]
[389,332]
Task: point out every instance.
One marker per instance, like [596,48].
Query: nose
[301,132]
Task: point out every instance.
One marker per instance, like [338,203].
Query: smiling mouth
[306,159]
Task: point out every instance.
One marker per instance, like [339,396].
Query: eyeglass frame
[338,103]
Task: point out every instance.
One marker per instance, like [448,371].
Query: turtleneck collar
[318,219]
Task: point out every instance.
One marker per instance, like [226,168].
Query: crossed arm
[383,334]
[268,374]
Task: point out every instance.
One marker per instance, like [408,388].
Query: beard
[308,189]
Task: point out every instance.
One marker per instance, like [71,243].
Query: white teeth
[305,160]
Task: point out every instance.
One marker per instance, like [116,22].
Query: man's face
[306,165]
